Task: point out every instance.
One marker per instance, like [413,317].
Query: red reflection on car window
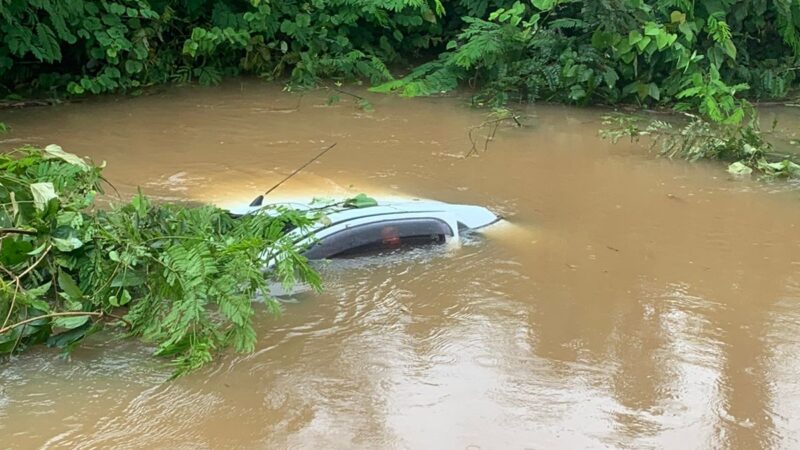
[390,237]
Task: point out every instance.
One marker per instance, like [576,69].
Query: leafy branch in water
[180,277]
[361,103]
[496,118]
[743,146]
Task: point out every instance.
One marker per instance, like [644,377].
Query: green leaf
[662,40]
[677,17]
[739,168]
[38,249]
[42,193]
[70,322]
[654,92]
[68,285]
[643,43]
[610,76]
[38,292]
[125,298]
[67,244]
[53,151]
[652,29]
[687,30]
[729,48]
[75,88]
[115,8]
[428,15]
[14,251]
[544,5]
[8,341]
[132,66]
[67,340]
[360,201]
[140,205]
[127,278]
[601,39]
[40,305]
[71,219]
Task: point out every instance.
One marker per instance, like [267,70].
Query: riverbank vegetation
[180,277]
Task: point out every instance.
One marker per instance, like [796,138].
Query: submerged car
[382,225]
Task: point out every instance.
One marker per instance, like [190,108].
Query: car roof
[468,216]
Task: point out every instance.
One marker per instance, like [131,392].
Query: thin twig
[348,93]
[496,124]
[119,196]
[17,280]
[32,266]
[287,110]
[18,231]
[120,318]
[47,316]
[99,314]
[17,288]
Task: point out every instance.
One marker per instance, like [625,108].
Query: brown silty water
[629,302]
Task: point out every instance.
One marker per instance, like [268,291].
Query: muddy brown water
[630,302]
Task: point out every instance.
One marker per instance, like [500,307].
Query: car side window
[380,236]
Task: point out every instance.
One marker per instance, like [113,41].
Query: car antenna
[258,200]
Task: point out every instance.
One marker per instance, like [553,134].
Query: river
[628,302]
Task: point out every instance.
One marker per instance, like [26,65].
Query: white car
[387,225]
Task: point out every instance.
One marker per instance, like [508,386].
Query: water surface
[631,302]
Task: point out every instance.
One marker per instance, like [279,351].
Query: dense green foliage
[180,277]
[102,45]
[694,55]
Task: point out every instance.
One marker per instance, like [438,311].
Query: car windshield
[380,236]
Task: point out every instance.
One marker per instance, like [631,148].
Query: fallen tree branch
[18,231]
[98,314]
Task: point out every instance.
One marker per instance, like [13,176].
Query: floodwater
[629,302]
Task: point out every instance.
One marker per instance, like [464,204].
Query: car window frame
[346,226]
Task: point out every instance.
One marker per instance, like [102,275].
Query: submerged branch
[495,124]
